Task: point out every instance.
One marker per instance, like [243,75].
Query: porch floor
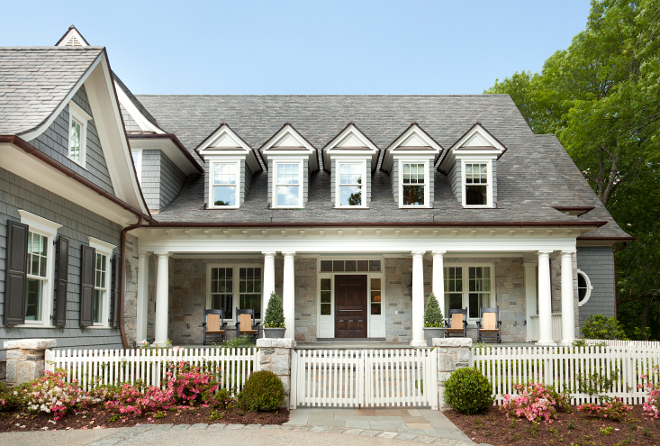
[360,344]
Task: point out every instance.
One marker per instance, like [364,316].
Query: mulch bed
[495,428]
[99,417]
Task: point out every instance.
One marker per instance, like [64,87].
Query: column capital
[143,253]
[269,253]
[438,252]
[568,252]
[530,264]
[161,254]
[544,253]
[418,253]
[288,253]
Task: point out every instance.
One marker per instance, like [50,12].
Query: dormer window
[288,190]
[224,184]
[477,184]
[77,133]
[351,186]
[414,186]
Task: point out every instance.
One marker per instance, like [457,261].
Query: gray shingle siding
[129,122]
[207,178]
[171,180]
[150,181]
[77,224]
[455,178]
[368,180]
[54,142]
[394,178]
[248,179]
[597,263]
[494,175]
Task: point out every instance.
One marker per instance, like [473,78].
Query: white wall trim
[590,288]
[363,187]
[489,189]
[81,117]
[303,176]
[40,224]
[427,172]
[102,247]
[213,160]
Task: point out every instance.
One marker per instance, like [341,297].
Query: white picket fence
[364,378]
[565,367]
[231,367]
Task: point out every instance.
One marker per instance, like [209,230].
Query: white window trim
[81,116]
[212,163]
[302,178]
[426,163]
[590,287]
[466,285]
[48,229]
[363,163]
[236,295]
[489,186]
[138,163]
[105,249]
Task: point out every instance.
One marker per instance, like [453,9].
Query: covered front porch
[349,286]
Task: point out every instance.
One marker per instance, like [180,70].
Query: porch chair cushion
[213,324]
[245,320]
[490,322]
[456,322]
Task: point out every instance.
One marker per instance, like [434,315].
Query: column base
[159,344]
[418,344]
[546,343]
[567,343]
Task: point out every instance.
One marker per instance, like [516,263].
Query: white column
[289,295]
[567,299]
[418,300]
[545,300]
[142,297]
[162,298]
[530,296]
[439,279]
[269,281]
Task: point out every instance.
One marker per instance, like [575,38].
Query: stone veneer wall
[130,288]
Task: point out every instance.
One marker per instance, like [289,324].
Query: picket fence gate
[626,368]
[364,378]
[230,367]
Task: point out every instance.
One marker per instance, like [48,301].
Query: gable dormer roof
[288,141]
[72,37]
[350,141]
[476,141]
[414,140]
[224,141]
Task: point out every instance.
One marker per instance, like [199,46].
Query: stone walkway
[423,425]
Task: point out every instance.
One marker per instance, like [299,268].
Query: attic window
[414,189]
[288,188]
[351,184]
[77,134]
[477,184]
[224,185]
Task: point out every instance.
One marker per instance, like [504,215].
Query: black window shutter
[116,295]
[87,259]
[16,274]
[62,280]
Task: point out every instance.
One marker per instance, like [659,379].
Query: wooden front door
[351,306]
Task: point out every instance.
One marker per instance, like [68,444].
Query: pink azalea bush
[533,401]
[612,408]
[652,402]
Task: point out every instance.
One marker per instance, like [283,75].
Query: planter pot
[273,333]
[433,332]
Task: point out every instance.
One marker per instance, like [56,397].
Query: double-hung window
[222,290]
[224,185]
[288,185]
[477,184]
[235,286]
[37,277]
[100,288]
[351,184]
[249,288]
[77,133]
[414,184]
[469,287]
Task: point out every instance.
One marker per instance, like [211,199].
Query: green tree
[274,312]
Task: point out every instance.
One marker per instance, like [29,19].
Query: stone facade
[131,287]
[26,359]
[275,356]
[453,354]
[306,295]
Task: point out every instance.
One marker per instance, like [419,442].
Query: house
[352,208]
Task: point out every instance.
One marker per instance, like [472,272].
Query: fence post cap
[452,342]
[30,344]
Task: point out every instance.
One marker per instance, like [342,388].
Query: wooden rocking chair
[489,325]
[457,323]
[246,325]
[215,330]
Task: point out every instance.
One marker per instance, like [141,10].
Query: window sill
[33,326]
[220,208]
[350,207]
[289,208]
[416,207]
[79,163]
[100,327]
[478,206]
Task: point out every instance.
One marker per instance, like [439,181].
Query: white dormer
[471,164]
[350,157]
[409,161]
[290,159]
[230,164]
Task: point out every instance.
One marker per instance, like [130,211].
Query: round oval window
[584,288]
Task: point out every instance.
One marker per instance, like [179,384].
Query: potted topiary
[274,320]
[434,321]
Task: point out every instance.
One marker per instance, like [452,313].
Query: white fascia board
[435,148]
[333,148]
[36,171]
[138,117]
[110,127]
[270,148]
[167,146]
[242,148]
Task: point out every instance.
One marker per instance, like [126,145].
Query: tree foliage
[274,312]
[601,97]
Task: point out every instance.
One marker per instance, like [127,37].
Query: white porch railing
[231,367]
[566,368]
[556,327]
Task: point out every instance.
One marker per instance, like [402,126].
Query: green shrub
[468,391]
[274,312]
[432,315]
[263,391]
[598,326]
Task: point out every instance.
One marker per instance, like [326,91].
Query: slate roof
[534,174]
[35,80]
[137,104]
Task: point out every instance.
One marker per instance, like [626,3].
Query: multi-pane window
[584,287]
[100,287]
[37,278]
[478,293]
[476,184]
[222,290]
[249,289]
[326,297]
[414,184]
[75,145]
[287,185]
[224,186]
[350,265]
[350,184]
[376,300]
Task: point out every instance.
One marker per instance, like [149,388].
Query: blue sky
[308,47]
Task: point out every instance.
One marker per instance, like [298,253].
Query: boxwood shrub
[468,391]
[263,391]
